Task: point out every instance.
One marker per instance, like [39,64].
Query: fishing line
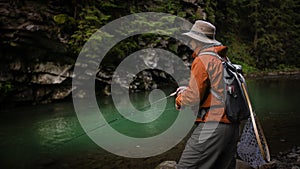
[115,120]
[159,100]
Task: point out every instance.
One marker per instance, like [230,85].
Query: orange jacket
[206,73]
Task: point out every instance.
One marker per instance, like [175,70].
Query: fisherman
[212,144]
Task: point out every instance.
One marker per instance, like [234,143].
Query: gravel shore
[289,159]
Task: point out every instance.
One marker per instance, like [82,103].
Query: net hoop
[264,150]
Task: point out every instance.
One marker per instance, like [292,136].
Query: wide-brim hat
[203,31]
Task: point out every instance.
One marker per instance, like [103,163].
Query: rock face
[36,60]
[35,63]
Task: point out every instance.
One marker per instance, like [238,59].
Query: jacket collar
[221,50]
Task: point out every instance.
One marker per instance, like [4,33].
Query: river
[50,136]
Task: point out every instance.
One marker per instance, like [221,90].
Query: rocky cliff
[35,63]
[36,57]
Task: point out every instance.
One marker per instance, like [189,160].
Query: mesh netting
[248,149]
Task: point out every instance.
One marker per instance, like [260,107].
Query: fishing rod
[117,119]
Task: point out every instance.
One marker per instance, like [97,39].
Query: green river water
[50,136]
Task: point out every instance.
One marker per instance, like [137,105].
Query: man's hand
[178,92]
[180,89]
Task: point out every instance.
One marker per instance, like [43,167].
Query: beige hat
[203,31]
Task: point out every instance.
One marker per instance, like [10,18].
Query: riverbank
[289,159]
[294,74]
[274,74]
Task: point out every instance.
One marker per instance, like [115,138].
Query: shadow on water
[50,136]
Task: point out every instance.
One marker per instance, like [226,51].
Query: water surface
[48,136]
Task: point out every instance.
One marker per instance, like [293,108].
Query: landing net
[248,149]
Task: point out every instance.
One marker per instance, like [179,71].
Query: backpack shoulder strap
[211,53]
[223,60]
[229,65]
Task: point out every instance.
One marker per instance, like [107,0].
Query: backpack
[236,107]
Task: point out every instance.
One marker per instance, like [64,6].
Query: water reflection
[53,132]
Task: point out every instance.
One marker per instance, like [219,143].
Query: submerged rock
[288,159]
[167,165]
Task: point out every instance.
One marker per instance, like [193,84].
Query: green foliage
[177,8]
[92,16]
[260,34]
[269,29]
[239,53]
[5,87]
[210,9]
[61,18]
[89,21]
[274,32]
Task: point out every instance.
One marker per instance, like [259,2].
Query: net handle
[267,159]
